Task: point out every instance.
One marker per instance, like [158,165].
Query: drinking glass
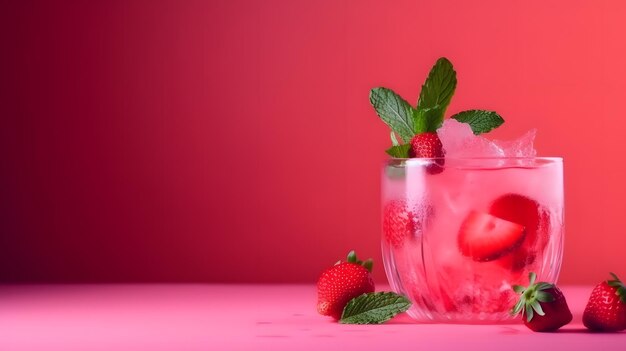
[459,232]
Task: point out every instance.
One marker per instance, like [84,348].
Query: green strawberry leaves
[479,120]
[621,288]
[531,296]
[406,121]
[368,264]
[374,308]
[394,111]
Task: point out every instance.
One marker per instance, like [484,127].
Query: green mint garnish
[481,121]
[406,121]
[394,141]
[428,119]
[399,151]
[437,91]
[394,111]
[374,308]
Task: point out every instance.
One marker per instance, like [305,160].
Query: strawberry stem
[368,264]
[531,296]
[620,287]
[352,258]
[532,277]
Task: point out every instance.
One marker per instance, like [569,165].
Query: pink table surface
[244,317]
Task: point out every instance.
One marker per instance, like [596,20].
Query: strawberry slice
[524,211]
[484,237]
[528,213]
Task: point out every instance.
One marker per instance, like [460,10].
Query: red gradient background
[233,141]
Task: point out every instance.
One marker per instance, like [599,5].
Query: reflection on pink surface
[238,317]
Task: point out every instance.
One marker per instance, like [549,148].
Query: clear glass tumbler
[459,232]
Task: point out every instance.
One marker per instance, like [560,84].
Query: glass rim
[478,158]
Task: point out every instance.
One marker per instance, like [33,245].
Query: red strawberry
[484,237]
[428,145]
[606,309]
[341,283]
[543,306]
[527,212]
[398,222]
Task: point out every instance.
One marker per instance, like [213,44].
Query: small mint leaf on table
[480,121]
[394,111]
[399,151]
[437,91]
[374,308]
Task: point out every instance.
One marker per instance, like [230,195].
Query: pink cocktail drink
[459,232]
[464,217]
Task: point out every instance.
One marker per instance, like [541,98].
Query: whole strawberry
[543,306]
[428,145]
[341,283]
[606,309]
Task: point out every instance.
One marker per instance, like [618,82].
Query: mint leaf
[374,308]
[394,141]
[428,119]
[481,121]
[394,111]
[399,151]
[438,90]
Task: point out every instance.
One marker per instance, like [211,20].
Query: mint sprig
[399,151]
[428,119]
[374,308]
[437,91]
[394,111]
[407,121]
[480,121]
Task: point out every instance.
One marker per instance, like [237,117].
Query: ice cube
[459,141]
[520,147]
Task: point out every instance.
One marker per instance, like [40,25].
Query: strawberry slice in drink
[528,213]
[484,237]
